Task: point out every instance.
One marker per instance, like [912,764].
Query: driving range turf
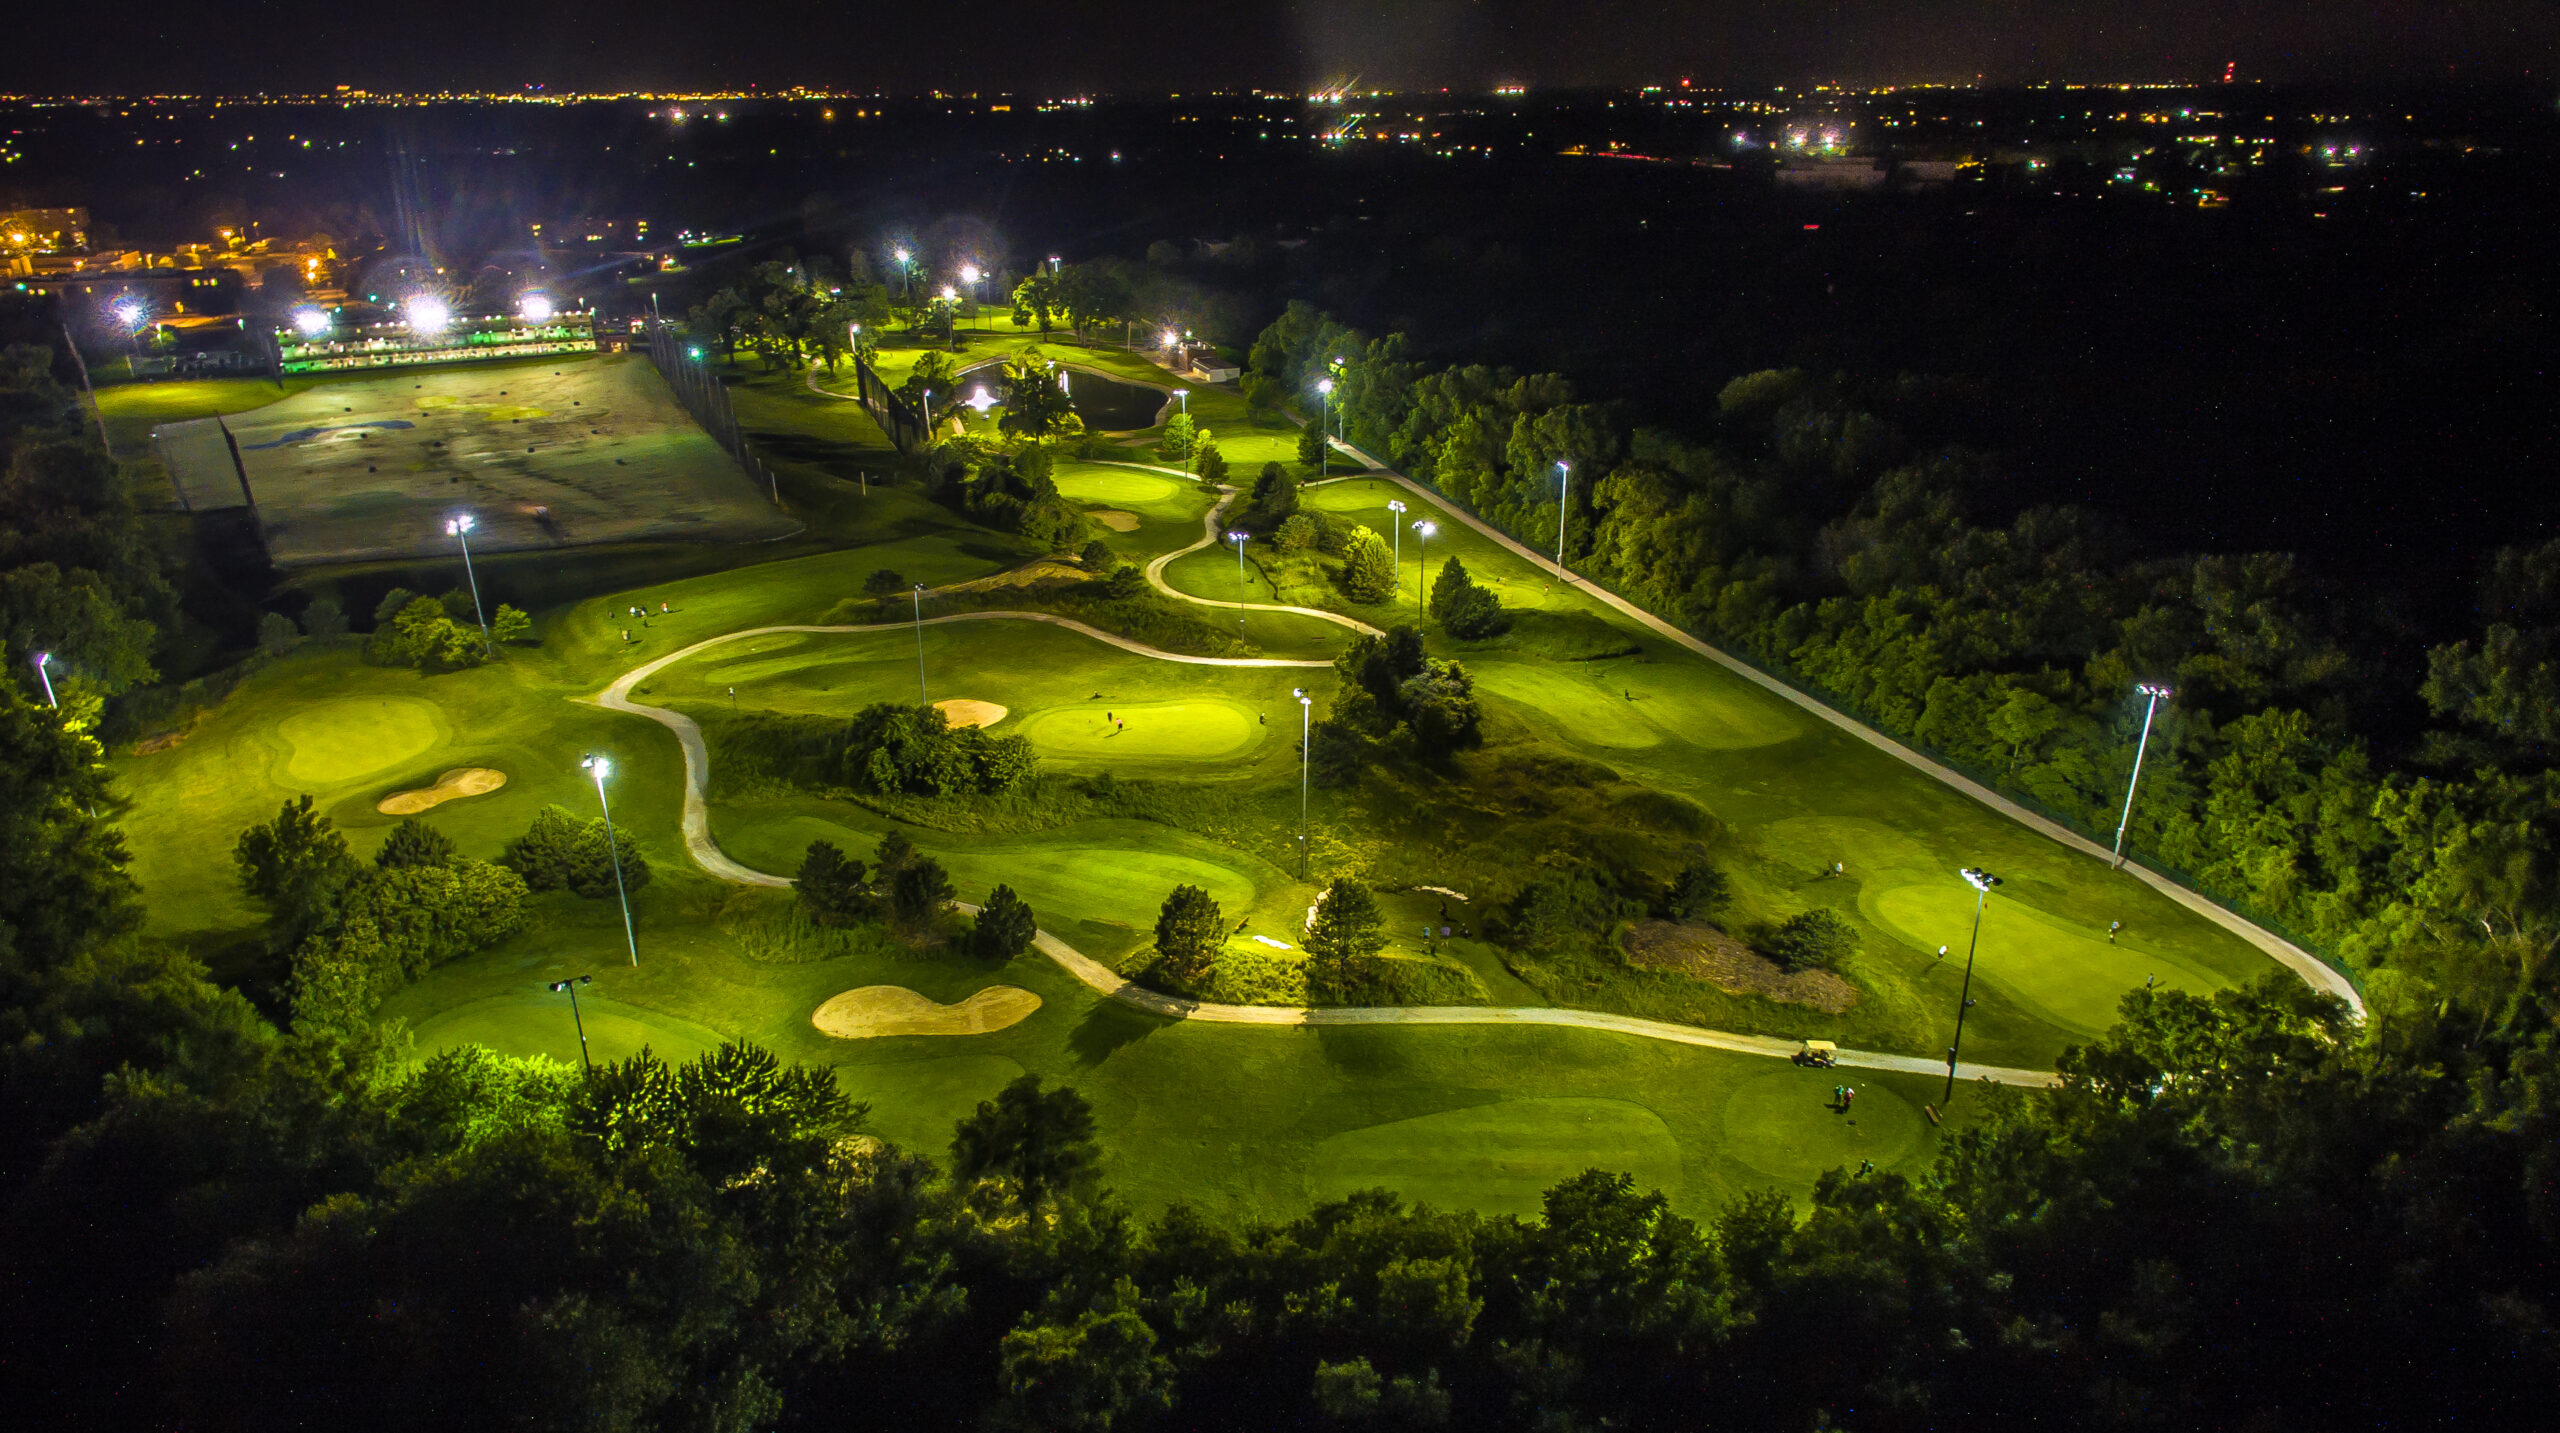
[1240,1119]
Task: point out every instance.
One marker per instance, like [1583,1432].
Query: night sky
[1065,46]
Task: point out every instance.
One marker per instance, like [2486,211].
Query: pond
[1103,402]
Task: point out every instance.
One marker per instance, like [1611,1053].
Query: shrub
[1126,581]
[277,635]
[914,750]
[1815,940]
[1297,533]
[1697,893]
[558,851]
[1096,555]
[884,581]
[513,624]
[1005,926]
[415,843]
[1368,569]
[324,618]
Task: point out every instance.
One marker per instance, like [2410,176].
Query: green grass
[1241,1120]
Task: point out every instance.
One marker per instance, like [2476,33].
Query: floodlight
[599,766]
[2150,690]
[902,256]
[980,399]
[535,308]
[1979,879]
[1426,527]
[427,313]
[311,321]
[458,525]
[1171,338]
[949,292]
[968,273]
[1324,385]
[132,313]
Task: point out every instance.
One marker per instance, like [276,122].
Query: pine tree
[1005,926]
[414,843]
[1347,927]
[1190,931]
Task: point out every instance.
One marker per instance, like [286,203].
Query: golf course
[1159,768]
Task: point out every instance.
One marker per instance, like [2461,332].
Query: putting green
[1194,730]
[539,1023]
[1499,1158]
[2070,974]
[334,741]
[1116,485]
[1781,1124]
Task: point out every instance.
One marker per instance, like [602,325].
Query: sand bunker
[1115,519]
[896,1010]
[454,785]
[963,711]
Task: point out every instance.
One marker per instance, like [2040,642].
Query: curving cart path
[1209,538]
[1110,984]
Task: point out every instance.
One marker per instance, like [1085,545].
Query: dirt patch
[1114,519]
[454,785]
[966,711]
[163,741]
[875,1010]
[1706,953]
[1031,574]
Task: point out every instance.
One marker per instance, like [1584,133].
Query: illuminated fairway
[2065,971]
[1500,1157]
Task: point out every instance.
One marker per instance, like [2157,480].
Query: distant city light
[427,313]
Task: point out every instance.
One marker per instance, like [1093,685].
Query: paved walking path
[1110,984]
[1210,535]
[2314,972]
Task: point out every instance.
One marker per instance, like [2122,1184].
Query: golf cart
[1820,1054]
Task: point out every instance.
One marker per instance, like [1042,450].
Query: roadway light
[920,691]
[600,768]
[570,988]
[44,660]
[535,308]
[458,527]
[1421,557]
[1982,881]
[2155,692]
[311,321]
[1238,538]
[1397,523]
[1306,747]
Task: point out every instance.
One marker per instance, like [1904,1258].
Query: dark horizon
[296,46]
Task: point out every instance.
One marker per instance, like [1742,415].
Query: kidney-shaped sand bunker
[875,1010]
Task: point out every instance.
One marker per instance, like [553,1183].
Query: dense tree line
[1808,528]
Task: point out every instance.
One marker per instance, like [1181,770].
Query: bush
[1368,568]
[914,750]
[1815,940]
[1126,581]
[324,618]
[277,635]
[1297,533]
[513,624]
[1005,926]
[1096,555]
[1697,893]
[558,851]
[830,887]
[884,581]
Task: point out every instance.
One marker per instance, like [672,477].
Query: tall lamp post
[1563,496]
[1238,538]
[1982,881]
[601,768]
[1306,747]
[2155,693]
[919,601]
[458,527]
[1395,520]
[44,660]
[1324,417]
[1421,558]
[906,275]
[569,987]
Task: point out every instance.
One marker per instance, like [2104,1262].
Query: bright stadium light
[311,321]
[535,308]
[427,313]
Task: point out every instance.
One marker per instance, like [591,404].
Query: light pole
[601,768]
[43,660]
[1396,507]
[1183,397]
[1324,415]
[1982,881]
[1421,558]
[2155,693]
[569,987]
[906,276]
[1306,747]
[459,529]
[1238,539]
[1563,494]
[919,601]
[969,275]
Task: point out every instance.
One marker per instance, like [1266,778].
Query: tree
[934,373]
[1038,1142]
[558,850]
[1465,609]
[1818,939]
[892,854]
[1181,435]
[298,867]
[1096,555]
[324,618]
[1347,928]
[1440,706]
[1190,931]
[1126,581]
[1274,500]
[2025,718]
[1212,467]
[1311,444]
[829,885]
[1296,534]
[1005,926]
[1087,1375]
[1697,893]
[1034,405]
[415,843]
[1368,568]
[883,582]
[277,635]
[919,892]
[512,624]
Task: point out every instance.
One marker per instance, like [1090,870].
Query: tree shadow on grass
[1107,1027]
